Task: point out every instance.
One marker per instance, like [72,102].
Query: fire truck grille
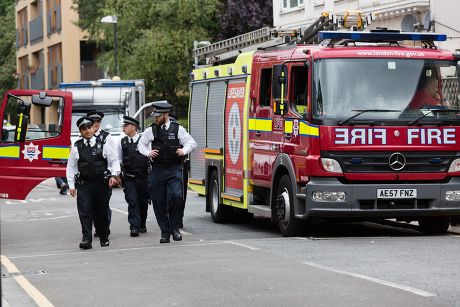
[394,204]
[379,162]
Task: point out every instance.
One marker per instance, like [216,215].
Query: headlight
[452,196]
[455,166]
[331,165]
[327,196]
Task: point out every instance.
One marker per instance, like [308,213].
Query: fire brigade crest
[31,152]
[234,133]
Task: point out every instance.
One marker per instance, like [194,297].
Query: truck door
[260,127]
[35,142]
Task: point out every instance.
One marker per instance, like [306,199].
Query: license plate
[396,193]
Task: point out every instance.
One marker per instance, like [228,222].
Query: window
[23,73]
[299,78]
[42,122]
[53,13]
[22,26]
[55,66]
[291,4]
[265,87]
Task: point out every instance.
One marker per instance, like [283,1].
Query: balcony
[36,29]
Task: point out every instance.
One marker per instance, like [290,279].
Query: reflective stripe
[9,151]
[55,152]
[306,129]
[260,124]
[288,126]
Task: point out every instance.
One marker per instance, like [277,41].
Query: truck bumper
[361,200]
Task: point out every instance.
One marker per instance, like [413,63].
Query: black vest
[167,142]
[134,163]
[91,162]
[102,137]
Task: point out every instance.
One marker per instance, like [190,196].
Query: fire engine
[348,127]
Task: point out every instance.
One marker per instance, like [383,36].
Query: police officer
[87,171]
[135,171]
[104,137]
[185,170]
[170,142]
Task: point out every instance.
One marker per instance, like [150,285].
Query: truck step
[260,210]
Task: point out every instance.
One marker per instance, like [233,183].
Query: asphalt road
[236,264]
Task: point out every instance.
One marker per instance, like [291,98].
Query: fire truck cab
[359,126]
[35,139]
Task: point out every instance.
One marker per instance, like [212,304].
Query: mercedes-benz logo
[397,161]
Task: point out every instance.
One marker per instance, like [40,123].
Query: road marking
[39,219]
[36,295]
[375,280]
[81,253]
[124,212]
[243,245]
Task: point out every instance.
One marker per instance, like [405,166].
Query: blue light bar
[382,36]
[97,84]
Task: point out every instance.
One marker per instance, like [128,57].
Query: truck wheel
[219,212]
[284,208]
[434,225]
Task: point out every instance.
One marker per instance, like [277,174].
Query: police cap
[84,121]
[161,107]
[130,120]
[95,115]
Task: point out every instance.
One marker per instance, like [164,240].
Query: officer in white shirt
[170,143]
[135,171]
[87,172]
[105,137]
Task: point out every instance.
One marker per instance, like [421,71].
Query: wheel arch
[210,166]
[282,166]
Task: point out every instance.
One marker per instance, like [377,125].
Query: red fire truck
[35,139]
[358,126]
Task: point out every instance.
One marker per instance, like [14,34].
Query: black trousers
[137,197]
[165,189]
[92,204]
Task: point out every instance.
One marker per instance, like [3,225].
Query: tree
[239,16]
[7,46]
[155,40]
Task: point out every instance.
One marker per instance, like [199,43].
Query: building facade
[50,47]
[408,15]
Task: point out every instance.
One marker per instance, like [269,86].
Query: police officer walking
[170,142]
[135,171]
[104,137]
[87,172]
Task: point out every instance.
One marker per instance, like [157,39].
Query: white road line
[36,295]
[124,212]
[39,219]
[375,280]
[243,245]
[81,253]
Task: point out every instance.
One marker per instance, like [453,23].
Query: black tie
[163,127]
[131,140]
[88,144]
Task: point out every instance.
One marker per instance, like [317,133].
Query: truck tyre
[219,212]
[284,208]
[434,225]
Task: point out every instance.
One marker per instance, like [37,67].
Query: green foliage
[7,46]
[155,41]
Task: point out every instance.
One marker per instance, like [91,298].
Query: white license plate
[396,193]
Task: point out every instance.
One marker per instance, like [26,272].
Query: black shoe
[176,235]
[85,244]
[143,230]
[134,233]
[164,239]
[105,242]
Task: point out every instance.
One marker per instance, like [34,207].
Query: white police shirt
[120,149]
[185,139]
[72,162]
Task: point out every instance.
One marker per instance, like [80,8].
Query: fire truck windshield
[343,86]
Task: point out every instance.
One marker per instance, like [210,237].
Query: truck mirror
[279,91]
[41,100]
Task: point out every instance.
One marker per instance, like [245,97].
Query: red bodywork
[19,175]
